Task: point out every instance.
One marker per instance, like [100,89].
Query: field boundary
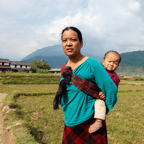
[6,135]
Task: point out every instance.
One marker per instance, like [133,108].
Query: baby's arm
[101,95]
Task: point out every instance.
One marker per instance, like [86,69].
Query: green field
[33,120]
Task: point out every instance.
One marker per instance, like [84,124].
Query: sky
[29,25]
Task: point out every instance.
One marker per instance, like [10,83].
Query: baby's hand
[101,95]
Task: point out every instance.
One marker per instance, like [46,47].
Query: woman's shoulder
[95,65]
[93,61]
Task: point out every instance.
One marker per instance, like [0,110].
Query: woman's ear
[81,44]
[103,62]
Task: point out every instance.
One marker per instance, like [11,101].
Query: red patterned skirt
[79,134]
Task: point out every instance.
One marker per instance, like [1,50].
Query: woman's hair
[74,29]
[113,52]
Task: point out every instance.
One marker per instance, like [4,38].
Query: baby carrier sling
[88,87]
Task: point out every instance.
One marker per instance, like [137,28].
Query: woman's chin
[70,54]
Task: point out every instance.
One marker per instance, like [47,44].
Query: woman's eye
[73,39]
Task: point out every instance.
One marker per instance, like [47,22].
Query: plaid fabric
[79,134]
[87,87]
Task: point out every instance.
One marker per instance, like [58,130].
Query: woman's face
[71,44]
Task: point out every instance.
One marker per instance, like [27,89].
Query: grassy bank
[33,120]
[29,78]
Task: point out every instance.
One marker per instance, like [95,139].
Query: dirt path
[6,136]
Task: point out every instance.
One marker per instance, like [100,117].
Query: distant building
[4,65]
[15,66]
[55,71]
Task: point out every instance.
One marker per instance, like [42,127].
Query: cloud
[134,5]
[29,25]
[108,24]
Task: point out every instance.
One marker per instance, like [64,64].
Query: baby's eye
[116,63]
[64,40]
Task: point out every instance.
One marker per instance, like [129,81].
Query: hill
[135,58]
[53,55]
[132,63]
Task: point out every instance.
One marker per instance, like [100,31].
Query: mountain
[132,63]
[47,51]
[53,55]
[135,58]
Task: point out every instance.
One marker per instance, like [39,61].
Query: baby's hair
[113,52]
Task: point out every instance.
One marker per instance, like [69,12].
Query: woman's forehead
[69,33]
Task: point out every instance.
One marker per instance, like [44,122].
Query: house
[4,65]
[20,66]
[15,66]
[55,71]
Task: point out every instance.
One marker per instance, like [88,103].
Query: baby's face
[111,61]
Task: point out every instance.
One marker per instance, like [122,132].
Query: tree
[39,64]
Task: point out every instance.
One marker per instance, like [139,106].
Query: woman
[78,106]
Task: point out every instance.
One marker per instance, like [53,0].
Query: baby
[110,62]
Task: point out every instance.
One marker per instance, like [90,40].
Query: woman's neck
[75,59]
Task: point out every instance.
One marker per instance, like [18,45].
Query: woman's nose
[69,42]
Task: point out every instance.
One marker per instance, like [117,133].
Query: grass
[7,74]
[125,123]
[34,121]
[30,100]
[43,123]
[29,78]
